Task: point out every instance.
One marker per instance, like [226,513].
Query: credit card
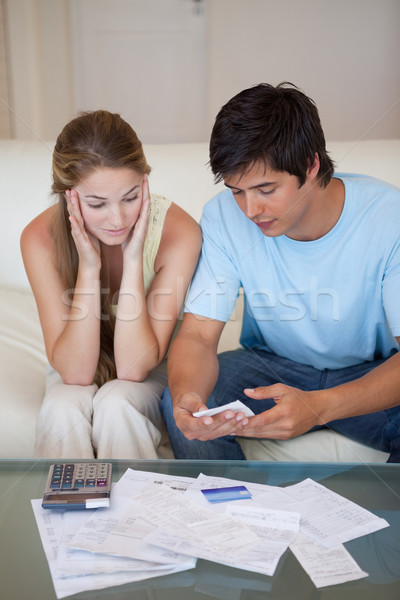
[226,494]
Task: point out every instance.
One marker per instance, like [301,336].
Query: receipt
[236,406]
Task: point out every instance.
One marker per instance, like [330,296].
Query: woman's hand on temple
[87,245]
[133,246]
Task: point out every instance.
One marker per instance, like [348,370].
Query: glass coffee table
[24,573]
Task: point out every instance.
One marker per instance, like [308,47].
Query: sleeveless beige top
[159,206]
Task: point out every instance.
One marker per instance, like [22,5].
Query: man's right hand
[205,428]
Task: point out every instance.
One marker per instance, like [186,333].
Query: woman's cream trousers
[120,420]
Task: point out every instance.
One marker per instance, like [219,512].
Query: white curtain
[4,103]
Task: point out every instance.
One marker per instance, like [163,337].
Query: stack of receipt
[161,524]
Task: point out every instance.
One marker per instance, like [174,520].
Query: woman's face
[110,201]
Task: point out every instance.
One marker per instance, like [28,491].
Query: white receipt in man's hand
[236,406]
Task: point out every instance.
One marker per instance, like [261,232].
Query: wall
[4,97]
[344,54]
[40,67]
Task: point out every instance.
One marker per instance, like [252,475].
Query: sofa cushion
[315,446]
[23,365]
[23,198]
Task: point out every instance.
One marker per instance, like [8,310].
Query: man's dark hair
[278,126]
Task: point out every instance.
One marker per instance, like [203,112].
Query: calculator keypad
[79,476]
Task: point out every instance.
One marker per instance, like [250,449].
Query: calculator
[78,485]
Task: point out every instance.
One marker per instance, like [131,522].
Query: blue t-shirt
[330,303]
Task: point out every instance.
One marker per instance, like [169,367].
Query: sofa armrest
[22,372]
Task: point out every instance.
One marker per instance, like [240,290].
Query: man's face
[274,201]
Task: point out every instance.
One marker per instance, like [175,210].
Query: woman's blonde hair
[93,140]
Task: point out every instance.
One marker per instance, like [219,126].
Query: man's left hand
[294,413]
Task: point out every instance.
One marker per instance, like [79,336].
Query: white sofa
[179,171]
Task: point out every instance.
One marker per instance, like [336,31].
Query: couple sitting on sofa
[317,254]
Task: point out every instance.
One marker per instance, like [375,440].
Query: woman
[109,267]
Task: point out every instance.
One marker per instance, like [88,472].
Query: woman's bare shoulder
[181,237]
[37,233]
[178,223]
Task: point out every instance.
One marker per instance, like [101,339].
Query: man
[318,257]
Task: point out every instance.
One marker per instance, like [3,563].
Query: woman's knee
[71,398]
[119,395]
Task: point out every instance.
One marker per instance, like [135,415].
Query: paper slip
[325,566]
[120,531]
[330,519]
[50,526]
[236,406]
[275,530]
[204,528]
[72,562]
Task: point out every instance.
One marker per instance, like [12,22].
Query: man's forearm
[192,367]
[377,390]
